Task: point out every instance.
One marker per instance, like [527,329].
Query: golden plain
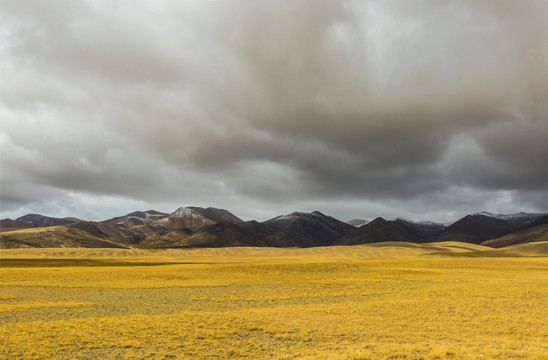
[378,301]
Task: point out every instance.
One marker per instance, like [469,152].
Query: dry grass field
[379,301]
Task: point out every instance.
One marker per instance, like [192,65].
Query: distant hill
[35,220]
[9,225]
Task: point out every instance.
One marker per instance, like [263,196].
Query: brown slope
[54,237]
[113,233]
[165,239]
[535,232]
[80,234]
[221,234]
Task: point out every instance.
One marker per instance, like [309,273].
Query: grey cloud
[258,105]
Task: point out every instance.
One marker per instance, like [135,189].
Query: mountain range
[191,227]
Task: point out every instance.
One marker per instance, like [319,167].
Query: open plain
[378,301]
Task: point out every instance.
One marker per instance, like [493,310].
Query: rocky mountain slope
[136,218]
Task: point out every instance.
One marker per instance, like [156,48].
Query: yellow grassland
[379,301]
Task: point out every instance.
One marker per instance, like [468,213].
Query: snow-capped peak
[298,215]
[182,211]
[140,217]
[516,216]
[431,223]
[151,214]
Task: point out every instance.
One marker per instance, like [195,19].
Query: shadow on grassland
[24,263]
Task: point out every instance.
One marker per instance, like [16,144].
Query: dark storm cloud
[420,109]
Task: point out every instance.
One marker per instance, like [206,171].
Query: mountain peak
[317,213]
[426,223]
[379,219]
[357,222]
[309,229]
[194,218]
[299,215]
[292,216]
[135,218]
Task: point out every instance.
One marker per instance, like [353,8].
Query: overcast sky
[420,109]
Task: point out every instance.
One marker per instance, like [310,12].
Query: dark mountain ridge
[309,229]
[520,220]
[381,230]
[189,227]
[475,229]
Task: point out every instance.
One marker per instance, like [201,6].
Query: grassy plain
[379,301]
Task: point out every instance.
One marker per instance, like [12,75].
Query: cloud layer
[356,108]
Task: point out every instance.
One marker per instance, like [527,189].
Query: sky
[428,110]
